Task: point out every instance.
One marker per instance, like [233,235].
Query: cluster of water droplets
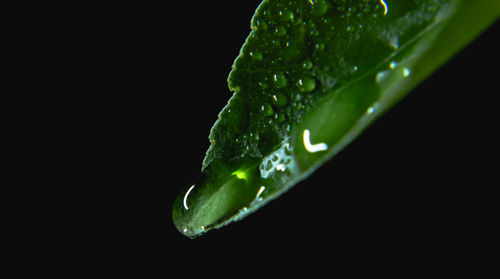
[283,37]
[295,53]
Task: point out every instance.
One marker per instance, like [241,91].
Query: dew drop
[298,105]
[393,65]
[406,72]
[319,46]
[267,109]
[381,76]
[280,117]
[319,7]
[286,15]
[306,84]
[280,31]
[280,80]
[256,55]
[307,65]
[314,32]
[394,42]
[280,100]
[259,25]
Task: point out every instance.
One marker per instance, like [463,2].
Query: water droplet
[280,100]
[314,32]
[267,109]
[280,80]
[307,65]
[381,76]
[393,65]
[406,72]
[319,46]
[394,42]
[355,68]
[280,117]
[256,55]
[280,31]
[319,7]
[259,25]
[298,105]
[286,15]
[306,84]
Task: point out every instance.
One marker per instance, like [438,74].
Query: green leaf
[311,76]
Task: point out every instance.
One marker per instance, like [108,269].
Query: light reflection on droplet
[386,8]
[262,188]
[185,197]
[312,148]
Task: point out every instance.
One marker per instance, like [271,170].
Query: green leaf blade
[311,76]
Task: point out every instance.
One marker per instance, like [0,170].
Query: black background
[415,177]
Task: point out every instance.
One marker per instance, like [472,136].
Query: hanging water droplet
[306,84]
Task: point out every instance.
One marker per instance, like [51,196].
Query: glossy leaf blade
[310,77]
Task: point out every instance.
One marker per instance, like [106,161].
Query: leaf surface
[310,77]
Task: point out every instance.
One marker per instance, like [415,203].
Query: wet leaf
[311,76]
